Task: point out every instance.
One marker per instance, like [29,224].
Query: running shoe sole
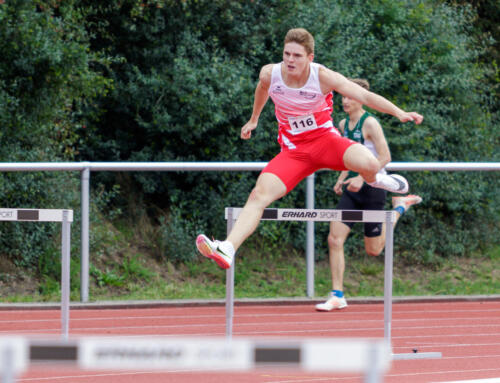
[323,307]
[409,200]
[416,199]
[204,247]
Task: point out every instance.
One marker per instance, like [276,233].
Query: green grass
[121,271]
[138,278]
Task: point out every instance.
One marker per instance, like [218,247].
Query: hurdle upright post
[388,265]
[388,285]
[7,360]
[230,281]
[310,238]
[65,274]
[84,234]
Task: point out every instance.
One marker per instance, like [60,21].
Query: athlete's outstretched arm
[333,81]
[260,99]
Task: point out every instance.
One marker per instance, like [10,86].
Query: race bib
[302,123]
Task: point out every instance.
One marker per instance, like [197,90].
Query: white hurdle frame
[51,215]
[328,215]
[372,357]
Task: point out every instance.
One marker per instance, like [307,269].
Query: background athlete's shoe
[333,303]
[391,182]
[220,252]
[406,201]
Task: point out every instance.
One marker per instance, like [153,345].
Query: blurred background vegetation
[171,80]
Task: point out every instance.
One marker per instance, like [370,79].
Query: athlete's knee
[361,160]
[374,249]
[335,242]
[260,195]
[370,165]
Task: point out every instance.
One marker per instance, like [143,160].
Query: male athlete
[362,127]
[302,93]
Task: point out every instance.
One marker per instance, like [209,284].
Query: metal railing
[86,167]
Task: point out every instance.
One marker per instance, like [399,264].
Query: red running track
[466,333]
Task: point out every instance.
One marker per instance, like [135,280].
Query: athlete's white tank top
[356,134]
[302,113]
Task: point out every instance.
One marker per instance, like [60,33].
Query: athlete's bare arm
[373,131]
[260,99]
[334,81]
[342,126]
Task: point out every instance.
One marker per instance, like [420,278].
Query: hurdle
[371,357]
[51,215]
[327,215]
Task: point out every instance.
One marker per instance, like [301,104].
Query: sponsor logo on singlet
[307,95]
[278,90]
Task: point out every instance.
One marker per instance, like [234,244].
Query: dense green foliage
[185,87]
[168,80]
[45,78]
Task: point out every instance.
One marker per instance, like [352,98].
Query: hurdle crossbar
[368,356]
[327,215]
[51,215]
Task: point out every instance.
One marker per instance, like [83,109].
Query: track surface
[466,333]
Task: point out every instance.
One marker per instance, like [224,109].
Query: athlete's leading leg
[359,159]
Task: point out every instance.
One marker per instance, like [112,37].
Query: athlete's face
[350,105]
[296,59]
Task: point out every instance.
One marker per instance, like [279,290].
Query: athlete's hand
[246,131]
[411,116]
[354,184]
[338,187]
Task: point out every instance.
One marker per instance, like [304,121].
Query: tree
[184,87]
[45,80]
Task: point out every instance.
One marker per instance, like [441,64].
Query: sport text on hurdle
[65,216]
[328,215]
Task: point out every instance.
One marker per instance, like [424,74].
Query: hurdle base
[417,355]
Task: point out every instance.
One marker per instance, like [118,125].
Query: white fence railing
[86,167]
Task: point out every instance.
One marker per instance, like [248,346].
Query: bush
[45,79]
[183,76]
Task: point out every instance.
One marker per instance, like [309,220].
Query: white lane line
[399,376]
[302,380]
[322,330]
[87,376]
[237,316]
[281,324]
[434,345]
[443,372]
[255,312]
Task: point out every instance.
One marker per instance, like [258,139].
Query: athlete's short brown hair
[361,82]
[302,37]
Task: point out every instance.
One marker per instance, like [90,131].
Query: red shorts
[293,165]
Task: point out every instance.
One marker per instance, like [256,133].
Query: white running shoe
[393,183]
[333,302]
[221,252]
[406,201]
